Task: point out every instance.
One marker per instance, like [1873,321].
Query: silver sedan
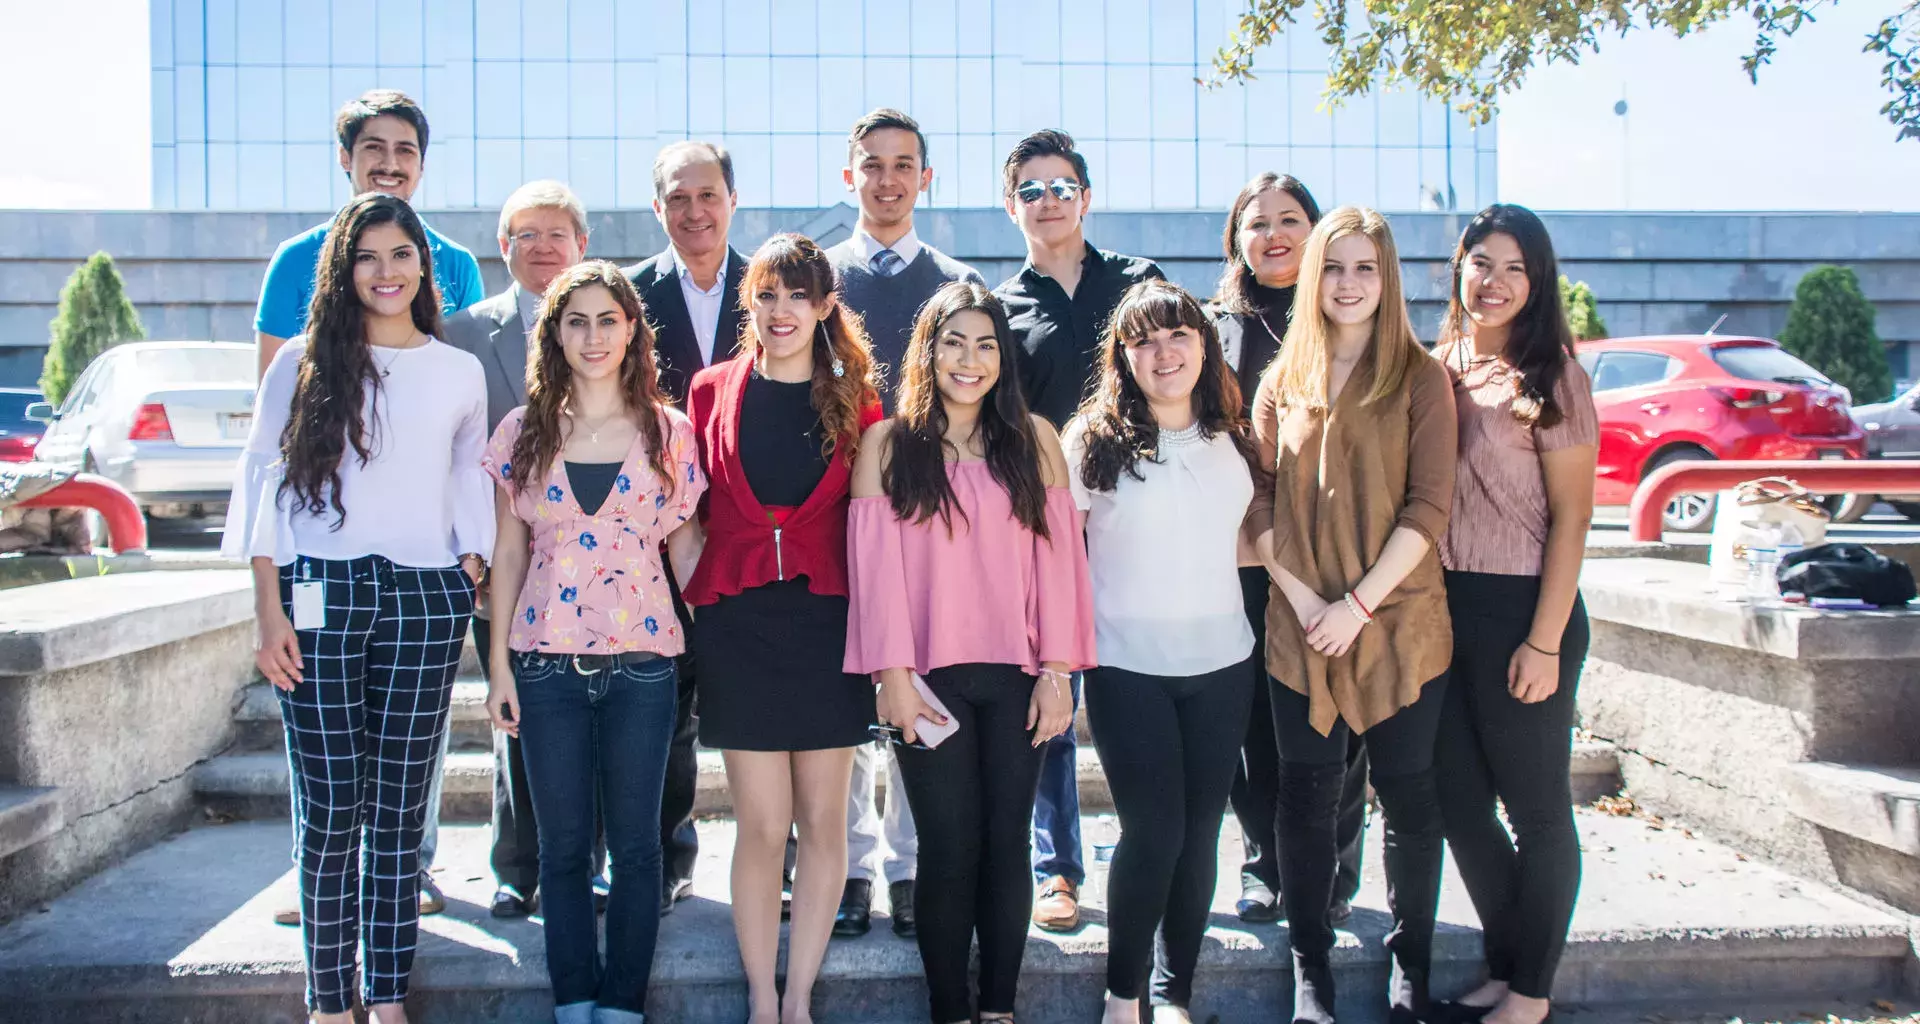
[164,419]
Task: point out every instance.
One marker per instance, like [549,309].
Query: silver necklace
[386,368]
[593,432]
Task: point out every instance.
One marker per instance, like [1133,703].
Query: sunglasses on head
[1064,189]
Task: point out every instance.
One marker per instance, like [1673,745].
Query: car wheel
[1848,508]
[1686,513]
[1910,509]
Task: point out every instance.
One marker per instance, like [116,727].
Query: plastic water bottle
[1791,542]
[1763,558]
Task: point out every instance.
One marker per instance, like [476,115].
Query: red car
[18,434]
[1678,397]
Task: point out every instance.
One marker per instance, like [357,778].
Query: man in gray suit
[543,231]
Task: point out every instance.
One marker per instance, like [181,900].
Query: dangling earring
[839,368]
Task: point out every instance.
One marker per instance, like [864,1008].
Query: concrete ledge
[26,570]
[1662,918]
[1676,598]
[65,625]
[1880,805]
[28,814]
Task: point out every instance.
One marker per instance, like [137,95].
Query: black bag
[1847,572]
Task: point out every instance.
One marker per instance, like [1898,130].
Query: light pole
[1626,181]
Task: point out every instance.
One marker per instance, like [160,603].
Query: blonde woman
[1357,423]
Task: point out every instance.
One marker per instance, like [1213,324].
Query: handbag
[1753,515]
[1847,572]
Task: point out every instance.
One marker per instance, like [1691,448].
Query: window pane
[542,34]
[976,86]
[543,99]
[840,105]
[1083,102]
[887,35]
[1356,177]
[634,100]
[257,33]
[794,172]
[1124,180]
[748,91]
[449,100]
[1766,363]
[635,174]
[1171,33]
[496,29]
[497,171]
[747,26]
[540,158]
[162,92]
[842,29]
[260,105]
[706,87]
[1399,179]
[933,27]
[401,39]
[591,172]
[353,32]
[220,31]
[935,103]
[794,80]
[753,179]
[590,99]
[1629,370]
[1174,177]
[1310,126]
[1127,31]
[1083,32]
[590,34]
[1173,103]
[671,85]
[497,100]
[310,169]
[223,176]
[220,104]
[1130,104]
[262,176]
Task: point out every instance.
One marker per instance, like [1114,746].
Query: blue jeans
[1056,808]
[607,732]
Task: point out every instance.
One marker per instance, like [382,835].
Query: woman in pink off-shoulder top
[967,567]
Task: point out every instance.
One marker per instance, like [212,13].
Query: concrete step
[28,814]
[258,726]
[182,931]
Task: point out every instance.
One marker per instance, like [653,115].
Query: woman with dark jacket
[1266,234]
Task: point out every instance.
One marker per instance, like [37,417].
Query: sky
[1697,135]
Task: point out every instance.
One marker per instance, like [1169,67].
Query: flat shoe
[508,903]
[855,916]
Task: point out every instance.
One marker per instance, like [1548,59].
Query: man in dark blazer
[543,231]
[692,297]
[692,290]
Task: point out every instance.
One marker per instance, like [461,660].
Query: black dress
[769,657]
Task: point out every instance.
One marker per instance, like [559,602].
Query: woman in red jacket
[778,425]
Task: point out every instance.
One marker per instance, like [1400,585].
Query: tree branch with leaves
[1471,53]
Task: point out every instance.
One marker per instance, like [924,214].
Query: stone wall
[1777,730]
[112,690]
[197,275]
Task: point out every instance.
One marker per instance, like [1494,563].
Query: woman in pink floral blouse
[595,472]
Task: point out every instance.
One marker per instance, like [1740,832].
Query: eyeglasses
[1064,189]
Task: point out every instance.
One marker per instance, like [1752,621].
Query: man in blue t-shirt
[383,147]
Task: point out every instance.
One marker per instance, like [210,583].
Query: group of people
[846,512]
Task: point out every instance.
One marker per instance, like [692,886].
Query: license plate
[235,426]
[1832,456]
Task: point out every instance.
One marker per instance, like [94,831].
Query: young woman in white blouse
[1161,465]
[362,505]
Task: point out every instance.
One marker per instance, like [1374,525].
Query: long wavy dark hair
[1120,428]
[550,378]
[916,471]
[337,371]
[1539,342]
[794,261]
[1234,293]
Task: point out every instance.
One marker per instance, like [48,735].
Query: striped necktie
[886,263]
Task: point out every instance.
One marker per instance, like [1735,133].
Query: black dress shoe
[900,894]
[1258,904]
[854,917]
[672,892]
[507,903]
[1340,912]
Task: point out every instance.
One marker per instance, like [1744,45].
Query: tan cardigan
[1344,479]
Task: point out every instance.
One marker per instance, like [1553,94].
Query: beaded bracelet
[1359,610]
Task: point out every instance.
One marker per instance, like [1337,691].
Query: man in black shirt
[1057,305]
[1060,300]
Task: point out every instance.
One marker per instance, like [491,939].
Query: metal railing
[126,527]
[1848,476]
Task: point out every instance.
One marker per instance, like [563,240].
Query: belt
[588,664]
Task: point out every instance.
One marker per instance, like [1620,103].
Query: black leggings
[1255,795]
[1168,745]
[972,799]
[1400,750]
[1492,747]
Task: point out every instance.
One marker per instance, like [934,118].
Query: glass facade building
[244,93]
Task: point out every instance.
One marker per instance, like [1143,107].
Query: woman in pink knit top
[967,567]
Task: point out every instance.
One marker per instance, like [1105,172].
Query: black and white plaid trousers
[363,731]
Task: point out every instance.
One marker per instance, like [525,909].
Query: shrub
[1583,313]
[94,316]
[1830,325]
